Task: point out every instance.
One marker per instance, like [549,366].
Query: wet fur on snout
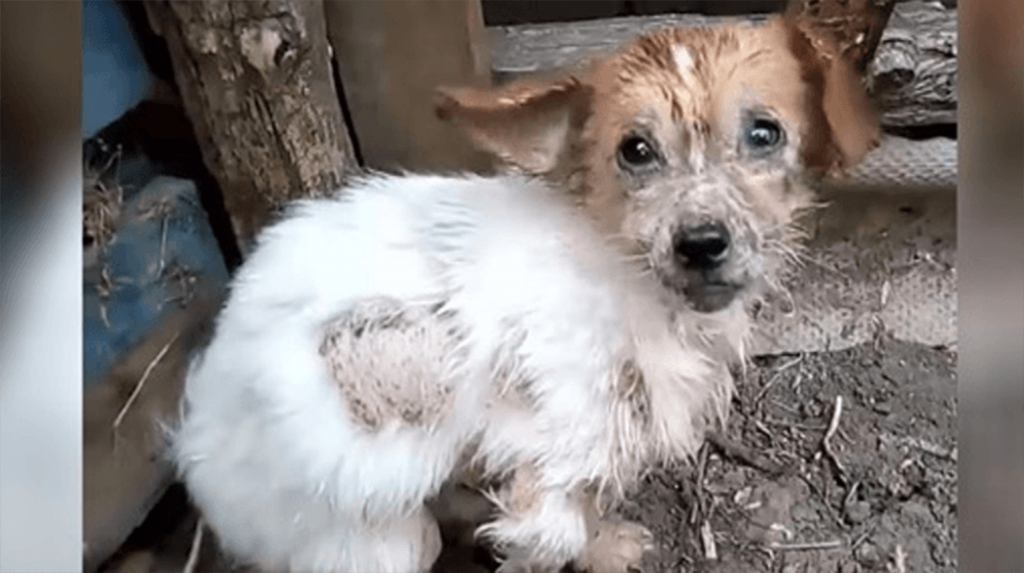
[543,331]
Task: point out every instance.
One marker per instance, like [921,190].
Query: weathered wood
[505,12]
[527,48]
[126,468]
[856,25]
[391,57]
[913,74]
[709,7]
[257,85]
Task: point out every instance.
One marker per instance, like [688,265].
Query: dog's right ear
[852,120]
[525,123]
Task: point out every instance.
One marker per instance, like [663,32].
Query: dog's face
[688,147]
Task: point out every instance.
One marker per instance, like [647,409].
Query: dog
[552,331]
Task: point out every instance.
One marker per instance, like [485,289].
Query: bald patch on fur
[388,361]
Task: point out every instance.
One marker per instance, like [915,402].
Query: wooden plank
[912,75]
[125,464]
[504,12]
[709,7]
[391,56]
[256,82]
[527,48]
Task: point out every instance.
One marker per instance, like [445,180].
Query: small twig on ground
[788,424]
[861,539]
[193,553]
[920,444]
[738,452]
[823,498]
[775,377]
[707,538]
[826,445]
[878,333]
[851,495]
[103,314]
[787,408]
[833,544]
[764,430]
[899,561]
[698,508]
[105,287]
[797,381]
[163,245]
[142,380]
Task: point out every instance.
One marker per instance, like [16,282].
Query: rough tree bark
[256,81]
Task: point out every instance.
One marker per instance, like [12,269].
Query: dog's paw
[615,547]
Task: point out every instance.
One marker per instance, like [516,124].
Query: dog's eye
[637,151]
[763,134]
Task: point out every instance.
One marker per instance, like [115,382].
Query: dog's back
[301,440]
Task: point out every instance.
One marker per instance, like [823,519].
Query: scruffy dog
[554,331]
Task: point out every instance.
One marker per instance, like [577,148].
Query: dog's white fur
[375,340]
[287,477]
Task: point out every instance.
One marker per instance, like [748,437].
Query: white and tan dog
[558,331]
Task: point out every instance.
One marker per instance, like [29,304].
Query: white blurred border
[41,383]
[990,257]
[40,288]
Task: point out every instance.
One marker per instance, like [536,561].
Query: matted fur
[545,326]
[389,359]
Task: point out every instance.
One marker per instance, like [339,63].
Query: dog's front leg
[539,534]
[613,545]
[544,529]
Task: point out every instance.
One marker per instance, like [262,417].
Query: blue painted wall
[115,76]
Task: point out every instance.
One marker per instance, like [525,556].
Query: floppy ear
[525,123]
[851,118]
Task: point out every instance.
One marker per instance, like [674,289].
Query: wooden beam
[391,56]
[257,86]
[527,48]
[912,75]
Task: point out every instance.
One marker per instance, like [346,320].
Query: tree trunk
[257,85]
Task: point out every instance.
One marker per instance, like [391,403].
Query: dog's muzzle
[701,252]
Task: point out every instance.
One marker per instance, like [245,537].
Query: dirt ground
[772,495]
[881,496]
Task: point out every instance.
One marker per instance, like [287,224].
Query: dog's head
[689,146]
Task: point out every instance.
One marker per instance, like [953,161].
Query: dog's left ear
[852,119]
[525,123]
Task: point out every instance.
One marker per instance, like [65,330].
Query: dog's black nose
[704,247]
